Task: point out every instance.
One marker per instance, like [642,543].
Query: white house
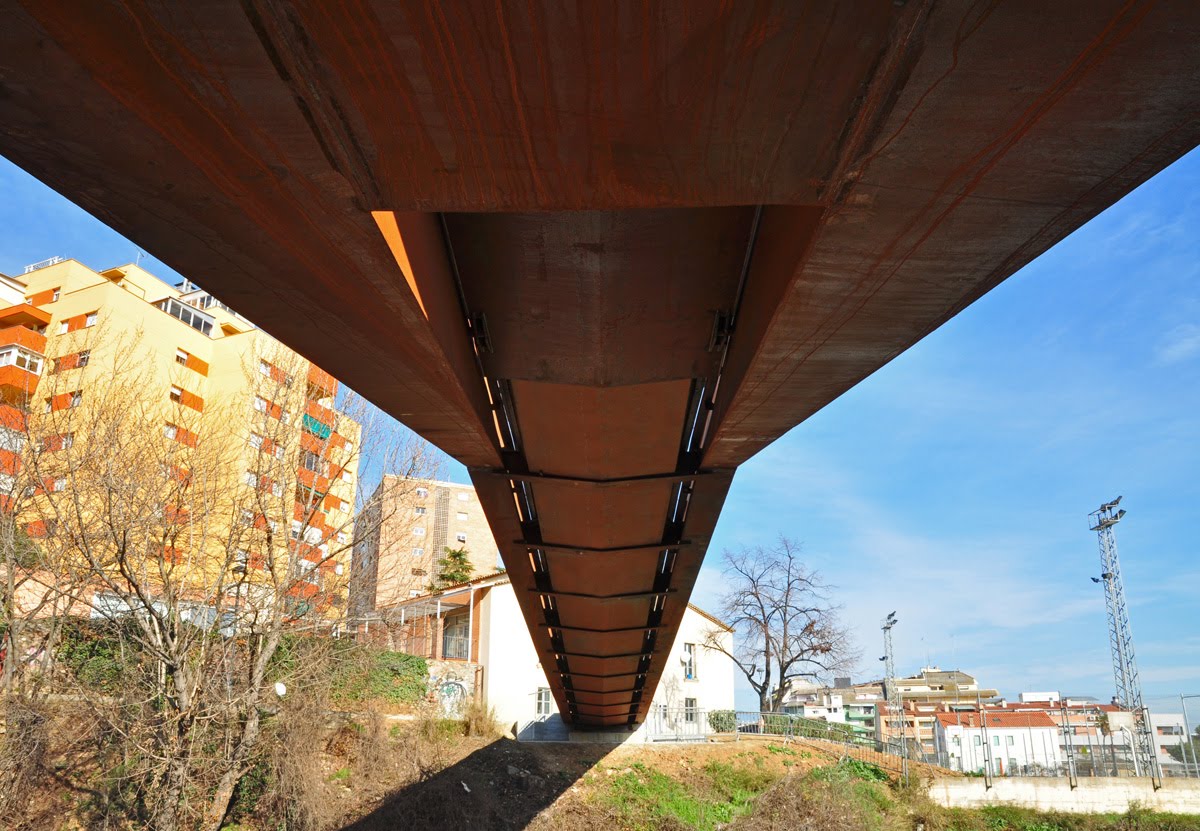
[476,640]
[1005,743]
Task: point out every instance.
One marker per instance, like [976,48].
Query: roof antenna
[138,261]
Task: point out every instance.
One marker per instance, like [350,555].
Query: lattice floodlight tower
[895,705]
[1120,637]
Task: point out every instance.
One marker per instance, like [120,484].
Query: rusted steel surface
[601,253]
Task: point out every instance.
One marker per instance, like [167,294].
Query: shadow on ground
[503,785]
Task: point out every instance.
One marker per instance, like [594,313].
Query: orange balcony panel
[10,462]
[15,379]
[190,399]
[321,414]
[24,315]
[23,336]
[311,518]
[304,591]
[322,380]
[311,443]
[313,481]
[12,418]
[42,297]
[196,365]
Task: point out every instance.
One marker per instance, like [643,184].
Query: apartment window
[957,741]
[60,484]
[461,537]
[689,710]
[68,441]
[246,517]
[463,496]
[995,741]
[170,431]
[1009,740]
[279,451]
[241,560]
[63,327]
[297,529]
[76,399]
[264,368]
[418,532]
[346,476]
[285,417]
[689,661]
[312,536]
[419,510]
[261,404]
[545,703]
[461,516]
[256,441]
[418,552]
[13,440]
[310,461]
[57,294]
[192,317]
[308,571]
[82,358]
[22,358]
[418,572]
[422,493]
[978,741]
[181,357]
[342,537]
[90,320]
[276,489]
[176,393]
[251,478]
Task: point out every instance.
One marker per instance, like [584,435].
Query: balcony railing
[456,647]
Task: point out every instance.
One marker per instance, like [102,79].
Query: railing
[46,263]
[456,646]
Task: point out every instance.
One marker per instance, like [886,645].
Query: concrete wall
[512,672]
[1091,796]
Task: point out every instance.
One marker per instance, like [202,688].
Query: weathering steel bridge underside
[601,253]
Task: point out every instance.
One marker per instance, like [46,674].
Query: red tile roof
[999,719]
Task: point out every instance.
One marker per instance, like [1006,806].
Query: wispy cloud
[1179,344]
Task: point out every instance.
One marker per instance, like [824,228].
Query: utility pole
[895,705]
[1120,638]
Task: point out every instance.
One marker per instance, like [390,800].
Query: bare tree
[197,535]
[786,626]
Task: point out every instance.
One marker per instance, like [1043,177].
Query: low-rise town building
[475,638]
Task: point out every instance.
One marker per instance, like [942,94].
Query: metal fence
[694,724]
[1065,755]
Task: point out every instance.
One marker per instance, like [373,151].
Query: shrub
[92,654]
[479,719]
[722,721]
[386,677]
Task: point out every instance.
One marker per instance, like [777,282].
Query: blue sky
[954,485]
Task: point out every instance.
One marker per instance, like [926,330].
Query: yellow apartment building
[206,377]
